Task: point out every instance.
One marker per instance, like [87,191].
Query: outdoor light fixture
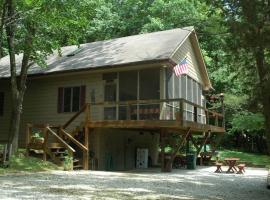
[221,96]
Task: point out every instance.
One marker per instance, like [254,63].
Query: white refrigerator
[142,158]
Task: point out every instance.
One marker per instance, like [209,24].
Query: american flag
[181,68]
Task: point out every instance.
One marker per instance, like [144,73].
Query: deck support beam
[182,143]
[206,137]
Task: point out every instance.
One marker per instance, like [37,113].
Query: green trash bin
[191,160]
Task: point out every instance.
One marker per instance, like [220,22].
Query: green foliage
[250,158]
[247,121]
[68,162]
[52,24]
[21,163]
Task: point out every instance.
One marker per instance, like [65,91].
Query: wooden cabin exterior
[119,95]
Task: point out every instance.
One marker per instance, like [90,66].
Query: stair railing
[48,132]
[84,147]
[85,109]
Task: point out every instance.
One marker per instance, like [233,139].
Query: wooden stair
[56,152]
[59,143]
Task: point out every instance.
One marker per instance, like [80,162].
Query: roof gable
[190,50]
[149,47]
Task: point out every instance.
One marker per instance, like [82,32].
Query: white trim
[182,42]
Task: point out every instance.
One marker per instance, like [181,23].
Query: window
[2,96]
[110,92]
[71,99]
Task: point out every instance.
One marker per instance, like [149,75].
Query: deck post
[46,136]
[86,152]
[162,146]
[5,153]
[29,130]
[181,111]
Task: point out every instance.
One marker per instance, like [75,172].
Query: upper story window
[2,97]
[71,99]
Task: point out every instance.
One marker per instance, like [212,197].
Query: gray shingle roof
[115,52]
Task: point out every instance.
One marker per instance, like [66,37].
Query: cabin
[112,105]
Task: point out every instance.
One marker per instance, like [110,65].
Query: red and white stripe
[180,69]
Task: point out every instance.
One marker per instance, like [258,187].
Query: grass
[21,163]
[251,159]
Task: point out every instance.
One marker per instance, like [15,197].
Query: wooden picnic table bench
[218,165]
[231,162]
[241,168]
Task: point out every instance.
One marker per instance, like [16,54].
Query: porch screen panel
[149,88]
[183,79]
[176,86]
[189,98]
[149,84]
[128,90]
[195,97]
[110,94]
[169,83]
[128,85]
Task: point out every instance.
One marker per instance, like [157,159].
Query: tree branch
[10,29]
[26,58]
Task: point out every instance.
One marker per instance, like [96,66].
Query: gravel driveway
[201,183]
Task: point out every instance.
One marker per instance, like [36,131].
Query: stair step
[75,160]
[59,152]
[76,167]
[55,145]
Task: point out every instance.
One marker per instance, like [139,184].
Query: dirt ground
[201,183]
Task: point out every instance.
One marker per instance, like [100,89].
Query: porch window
[2,96]
[71,99]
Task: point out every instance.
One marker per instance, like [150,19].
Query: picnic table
[231,162]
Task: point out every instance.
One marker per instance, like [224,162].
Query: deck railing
[180,110]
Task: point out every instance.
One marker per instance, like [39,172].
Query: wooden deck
[139,115]
[166,113]
[155,124]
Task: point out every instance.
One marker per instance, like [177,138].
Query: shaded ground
[150,184]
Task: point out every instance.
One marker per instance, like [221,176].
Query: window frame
[62,99]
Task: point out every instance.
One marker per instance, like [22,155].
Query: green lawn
[21,163]
[249,158]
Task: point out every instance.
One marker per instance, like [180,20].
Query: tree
[34,28]
[249,22]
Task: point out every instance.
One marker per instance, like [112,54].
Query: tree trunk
[15,127]
[18,85]
[15,96]
[264,76]
[2,23]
